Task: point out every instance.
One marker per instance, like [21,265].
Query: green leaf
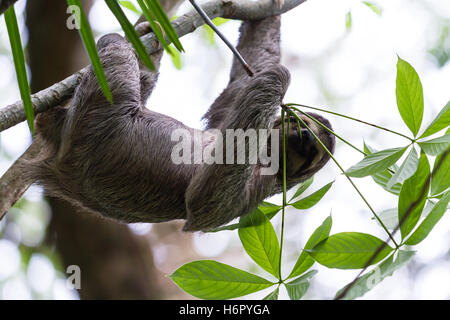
[162,18]
[176,59]
[304,261]
[261,243]
[297,288]
[374,7]
[130,6]
[19,64]
[406,170]
[435,146]
[207,279]
[389,218]
[411,202]
[368,281]
[130,32]
[312,199]
[269,209]
[302,187]
[273,295]
[440,180]
[430,221]
[409,94]
[382,178]
[155,28]
[349,250]
[89,43]
[441,121]
[348,21]
[375,162]
[210,32]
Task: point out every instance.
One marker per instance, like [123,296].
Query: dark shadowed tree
[115,263]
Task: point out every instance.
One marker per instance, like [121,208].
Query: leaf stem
[351,118]
[349,179]
[329,130]
[335,134]
[283,115]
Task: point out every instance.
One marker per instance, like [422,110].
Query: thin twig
[224,39]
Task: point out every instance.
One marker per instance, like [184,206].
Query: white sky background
[353,73]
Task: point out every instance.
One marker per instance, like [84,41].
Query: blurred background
[342,55]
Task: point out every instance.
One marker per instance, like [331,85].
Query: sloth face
[305,156]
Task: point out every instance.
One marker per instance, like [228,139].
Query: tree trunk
[114,262]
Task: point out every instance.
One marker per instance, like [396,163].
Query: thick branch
[231,9]
[5,4]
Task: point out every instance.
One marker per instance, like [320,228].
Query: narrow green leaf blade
[410,201]
[130,32]
[130,6]
[311,200]
[155,28]
[375,162]
[441,121]
[435,146]
[374,7]
[210,34]
[89,43]
[304,261]
[162,18]
[441,176]
[409,94]
[406,170]
[430,221]
[273,295]
[297,288]
[19,64]
[368,281]
[349,250]
[303,187]
[176,58]
[348,21]
[261,243]
[207,279]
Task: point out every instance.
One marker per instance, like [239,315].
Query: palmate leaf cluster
[414,181]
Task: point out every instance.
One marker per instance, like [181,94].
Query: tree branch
[189,22]
[5,4]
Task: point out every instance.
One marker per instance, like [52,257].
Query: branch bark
[189,22]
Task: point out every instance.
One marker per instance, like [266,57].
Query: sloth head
[305,156]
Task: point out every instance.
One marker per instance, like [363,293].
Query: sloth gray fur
[115,159]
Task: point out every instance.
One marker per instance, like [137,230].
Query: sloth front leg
[148,78]
[219,193]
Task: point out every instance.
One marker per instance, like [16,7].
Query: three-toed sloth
[115,159]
